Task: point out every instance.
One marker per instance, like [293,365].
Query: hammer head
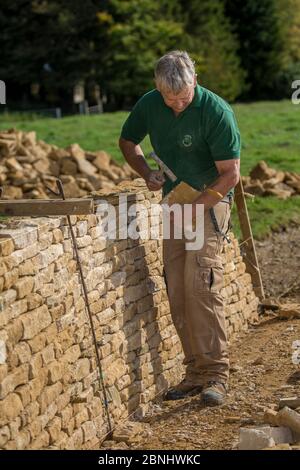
[183,193]
[163,167]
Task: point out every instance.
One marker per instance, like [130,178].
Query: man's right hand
[155,180]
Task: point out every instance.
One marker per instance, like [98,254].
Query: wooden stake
[251,257]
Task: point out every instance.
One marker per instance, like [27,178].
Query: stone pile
[280,431]
[265,181]
[28,164]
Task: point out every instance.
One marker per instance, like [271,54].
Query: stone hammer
[182,193]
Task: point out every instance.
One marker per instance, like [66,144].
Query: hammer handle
[163,166]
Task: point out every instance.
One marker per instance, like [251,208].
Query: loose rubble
[266,181]
[28,165]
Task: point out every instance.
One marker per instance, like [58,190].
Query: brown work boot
[214,393]
[183,389]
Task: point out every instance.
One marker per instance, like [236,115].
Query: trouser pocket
[208,277]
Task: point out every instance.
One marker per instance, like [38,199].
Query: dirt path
[261,367]
[279,260]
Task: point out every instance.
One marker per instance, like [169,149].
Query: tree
[257,26]
[136,34]
[289,17]
[210,36]
[54,44]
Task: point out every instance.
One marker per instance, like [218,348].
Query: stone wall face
[50,395]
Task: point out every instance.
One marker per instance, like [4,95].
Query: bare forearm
[134,156]
[222,185]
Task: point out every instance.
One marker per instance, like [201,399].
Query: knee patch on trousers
[208,275]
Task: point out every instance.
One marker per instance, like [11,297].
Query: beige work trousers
[194,280]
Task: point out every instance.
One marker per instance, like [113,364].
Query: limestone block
[35,321]
[37,385]
[53,428]
[41,442]
[80,369]
[49,395]
[290,418]
[10,278]
[10,407]
[48,354]
[55,372]
[6,246]
[4,435]
[17,377]
[89,430]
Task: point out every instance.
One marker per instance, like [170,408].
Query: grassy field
[270,132]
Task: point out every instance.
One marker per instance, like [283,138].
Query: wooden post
[44,207]
[251,257]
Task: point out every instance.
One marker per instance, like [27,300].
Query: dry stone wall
[49,389]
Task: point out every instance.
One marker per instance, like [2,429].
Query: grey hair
[174,71]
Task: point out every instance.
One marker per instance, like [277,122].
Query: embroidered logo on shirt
[187,140]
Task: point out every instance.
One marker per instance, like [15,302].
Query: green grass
[270,132]
[268,213]
[95,132]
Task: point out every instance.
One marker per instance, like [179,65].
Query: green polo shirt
[190,143]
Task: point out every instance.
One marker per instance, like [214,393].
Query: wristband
[214,192]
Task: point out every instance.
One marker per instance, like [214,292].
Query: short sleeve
[135,126]
[223,136]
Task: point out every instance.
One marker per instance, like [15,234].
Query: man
[195,133]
